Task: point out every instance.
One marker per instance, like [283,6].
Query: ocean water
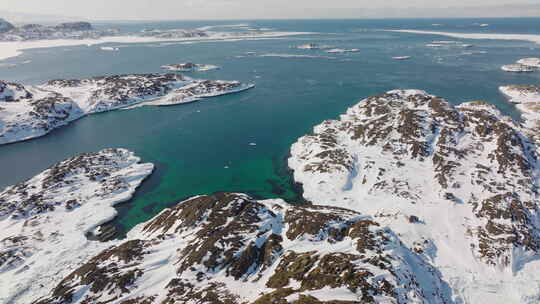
[204,147]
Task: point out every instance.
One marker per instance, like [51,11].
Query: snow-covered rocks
[100,94]
[523,65]
[27,113]
[531,62]
[12,92]
[518,68]
[467,174]
[198,90]
[189,67]
[43,221]
[229,248]
[527,100]
[33,111]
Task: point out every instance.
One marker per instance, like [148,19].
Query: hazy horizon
[143,10]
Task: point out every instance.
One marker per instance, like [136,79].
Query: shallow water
[204,147]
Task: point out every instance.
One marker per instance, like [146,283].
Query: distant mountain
[5,26]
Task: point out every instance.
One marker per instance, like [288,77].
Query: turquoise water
[205,147]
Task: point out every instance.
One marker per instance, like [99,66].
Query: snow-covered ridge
[468,174]
[229,248]
[43,221]
[31,111]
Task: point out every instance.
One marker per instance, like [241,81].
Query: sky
[268,9]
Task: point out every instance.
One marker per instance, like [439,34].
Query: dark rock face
[216,242]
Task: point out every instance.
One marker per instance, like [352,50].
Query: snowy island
[189,67]
[31,111]
[526,65]
[518,68]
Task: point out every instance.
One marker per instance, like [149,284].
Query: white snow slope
[457,184]
[43,221]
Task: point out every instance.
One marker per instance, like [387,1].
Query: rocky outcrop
[527,100]
[518,68]
[31,111]
[229,248]
[44,220]
[467,173]
[100,94]
[413,200]
[526,65]
[28,112]
[531,62]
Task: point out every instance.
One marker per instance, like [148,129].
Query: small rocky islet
[411,200]
[525,65]
[189,67]
[31,111]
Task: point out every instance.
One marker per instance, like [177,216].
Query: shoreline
[476,36]
[12,49]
